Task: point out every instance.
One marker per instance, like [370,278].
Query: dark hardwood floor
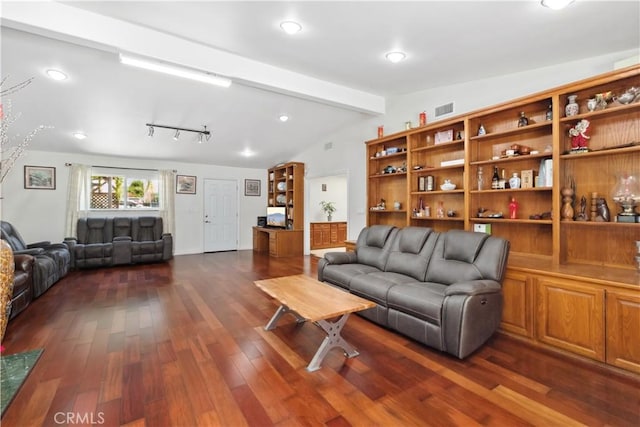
[182,344]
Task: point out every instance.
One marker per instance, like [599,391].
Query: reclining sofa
[52,260]
[104,242]
[441,289]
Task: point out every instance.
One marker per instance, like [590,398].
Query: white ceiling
[329,76]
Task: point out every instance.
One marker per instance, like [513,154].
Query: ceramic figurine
[602,210]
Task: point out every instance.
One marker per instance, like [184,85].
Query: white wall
[336,192]
[348,152]
[40,214]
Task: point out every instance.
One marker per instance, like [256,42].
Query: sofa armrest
[341,257]
[23,262]
[33,251]
[474,287]
[38,244]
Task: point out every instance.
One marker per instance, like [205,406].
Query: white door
[220,215]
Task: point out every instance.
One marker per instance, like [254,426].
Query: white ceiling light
[395,57]
[283,118]
[177,135]
[79,135]
[556,4]
[290,27]
[247,153]
[175,71]
[56,74]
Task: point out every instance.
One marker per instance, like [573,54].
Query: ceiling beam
[65,22]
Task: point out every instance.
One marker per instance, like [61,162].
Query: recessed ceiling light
[79,135]
[247,153]
[556,4]
[290,27]
[395,56]
[56,74]
[284,118]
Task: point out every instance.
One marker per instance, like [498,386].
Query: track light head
[177,135]
[151,131]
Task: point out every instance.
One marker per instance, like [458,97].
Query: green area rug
[14,369]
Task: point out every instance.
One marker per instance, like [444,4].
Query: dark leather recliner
[22,284]
[148,242]
[52,261]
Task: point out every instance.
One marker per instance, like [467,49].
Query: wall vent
[444,109]
[328,146]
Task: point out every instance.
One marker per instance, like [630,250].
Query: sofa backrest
[374,244]
[121,227]
[411,251]
[95,230]
[146,228]
[464,255]
[11,235]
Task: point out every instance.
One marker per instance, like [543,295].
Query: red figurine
[513,208]
[579,136]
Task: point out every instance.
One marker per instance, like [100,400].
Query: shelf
[439,146]
[427,193]
[511,159]
[604,152]
[432,218]
[387,175]
[512,221]
[602,113]
[439,168]
[388,211]
[598,224]
[387,156]
[523,190]
[524,129]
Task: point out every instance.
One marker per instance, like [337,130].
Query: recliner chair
[52,260]
[148,242]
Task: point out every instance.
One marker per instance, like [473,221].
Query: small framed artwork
[185,184]
[39,178]
[422,186]
[251,187]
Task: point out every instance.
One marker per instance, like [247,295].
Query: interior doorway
[220,215]
[329,188]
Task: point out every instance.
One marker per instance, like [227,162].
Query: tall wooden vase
[7,268]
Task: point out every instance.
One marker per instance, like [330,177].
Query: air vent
[328,146]
[444,109]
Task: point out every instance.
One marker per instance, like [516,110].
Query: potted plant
[328,208]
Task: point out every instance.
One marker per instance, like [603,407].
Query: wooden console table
[278,242]
[328,234]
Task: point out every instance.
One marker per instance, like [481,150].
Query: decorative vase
[329,218]
[572,107]
[592,103]
[514,181]
[7,268]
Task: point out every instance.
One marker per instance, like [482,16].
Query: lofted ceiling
[329,76]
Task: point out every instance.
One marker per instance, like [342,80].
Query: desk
[278,242]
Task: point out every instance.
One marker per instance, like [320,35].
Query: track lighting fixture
[202,134]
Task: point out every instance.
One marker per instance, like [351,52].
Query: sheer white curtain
[167,200]
[77,197]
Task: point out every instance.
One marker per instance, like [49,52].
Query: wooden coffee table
[309,299]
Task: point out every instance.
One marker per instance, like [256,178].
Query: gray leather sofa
[441,289]
[52,260]
[104,242]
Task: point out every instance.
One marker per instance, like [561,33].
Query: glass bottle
[502,182]
[549,114]
[481,130]
[495,179]
[480,179]
[522,121]
[440,210]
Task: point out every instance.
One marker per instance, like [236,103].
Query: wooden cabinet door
[342,233]
[571,316]
[517,309]
[623,330]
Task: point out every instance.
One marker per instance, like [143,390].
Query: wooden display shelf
[437,192]
[514,131]
[605,152]
[505,190]
[601,113]
[442,145]
[512,221]
[388,175]
[436,168]
[522,157]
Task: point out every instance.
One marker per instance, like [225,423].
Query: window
[124,189]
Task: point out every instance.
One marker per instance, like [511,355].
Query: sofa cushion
[422,300]
[374,244]
[375,286]
[342,274]
[462,245]
[121,227]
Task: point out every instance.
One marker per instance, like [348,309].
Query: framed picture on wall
[39,178]
[251,187]
[185,184]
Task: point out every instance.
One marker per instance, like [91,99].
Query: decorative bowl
[447,186]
